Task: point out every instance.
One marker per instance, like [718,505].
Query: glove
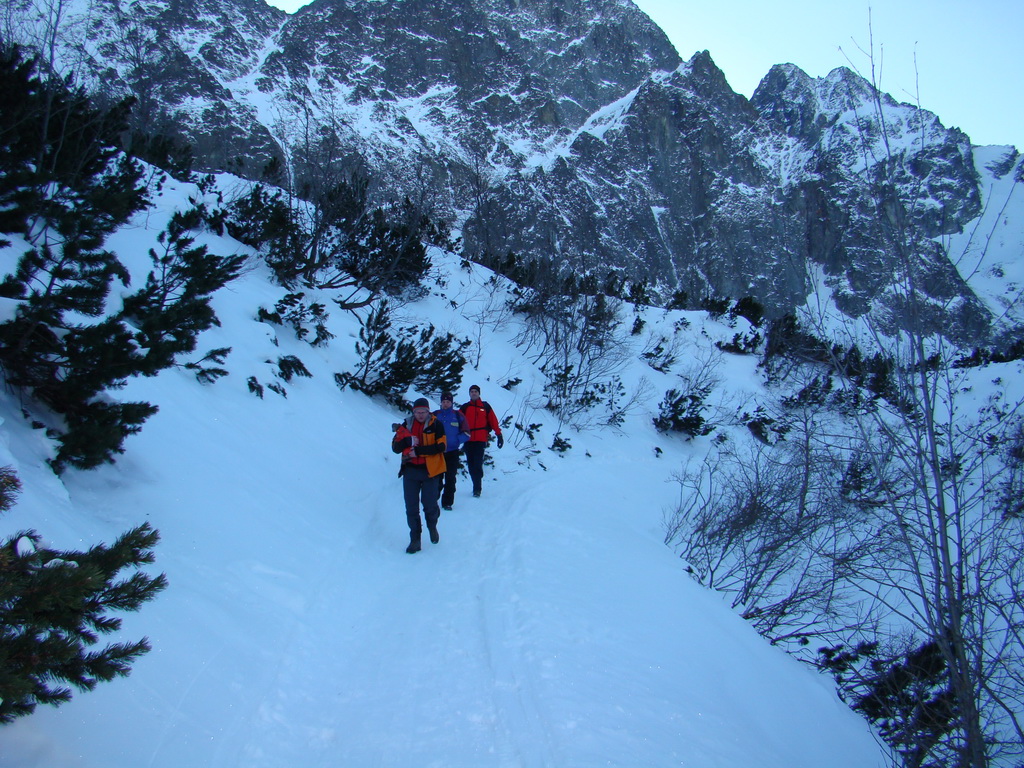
[501,441]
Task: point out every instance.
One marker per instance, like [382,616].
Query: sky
[550,626]
[961,59]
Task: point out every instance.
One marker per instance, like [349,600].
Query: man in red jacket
[481,421]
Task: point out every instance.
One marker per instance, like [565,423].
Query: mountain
[566,131]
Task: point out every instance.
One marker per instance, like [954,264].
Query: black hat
[475,386]
[421,403]
[446,396]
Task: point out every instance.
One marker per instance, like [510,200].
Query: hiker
[456,432]
[481,420]
[421,442]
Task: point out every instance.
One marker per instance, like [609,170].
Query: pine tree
[417,358]
[173,308]
[263,220]
[65,186]
[333,237]
[375,349]
[55,605]
[683,412]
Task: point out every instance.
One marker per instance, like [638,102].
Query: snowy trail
[428,657]
[550,628]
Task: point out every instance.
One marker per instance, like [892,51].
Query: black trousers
[474,450]
[446,486]
[419,488]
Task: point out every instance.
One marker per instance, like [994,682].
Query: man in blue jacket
[456,433]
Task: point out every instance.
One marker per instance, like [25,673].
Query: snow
[550,626]
[785,157]
[987,252]
[610,118]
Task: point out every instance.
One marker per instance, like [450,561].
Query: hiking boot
[434,538]
[476,494]
[414,546]
[447,507]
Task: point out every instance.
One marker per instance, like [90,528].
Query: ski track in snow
[502,634]
[475,630]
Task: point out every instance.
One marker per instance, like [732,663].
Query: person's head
[474,392]
[421,410]
[446,400]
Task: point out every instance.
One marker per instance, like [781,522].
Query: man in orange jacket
[481,420]
[421,442]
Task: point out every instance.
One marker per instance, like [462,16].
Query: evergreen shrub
[55,606]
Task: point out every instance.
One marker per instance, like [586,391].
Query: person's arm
[463,426]
[492,422]
[402,439]
[440,442]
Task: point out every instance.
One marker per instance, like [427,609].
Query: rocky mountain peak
[787,97]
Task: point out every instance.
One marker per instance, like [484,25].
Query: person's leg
[431,511]
[475,463]
[412,479]
[448,479]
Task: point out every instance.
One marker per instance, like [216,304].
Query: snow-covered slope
[987,254]
[550,626]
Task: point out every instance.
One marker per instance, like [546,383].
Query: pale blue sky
[961,59]
[969,53]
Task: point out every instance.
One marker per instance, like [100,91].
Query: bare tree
[935,451]
[571,335]
[488,311]
[766,524]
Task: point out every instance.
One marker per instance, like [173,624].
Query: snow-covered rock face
[565,130]
[858,155]
[186,62]
[508,63]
